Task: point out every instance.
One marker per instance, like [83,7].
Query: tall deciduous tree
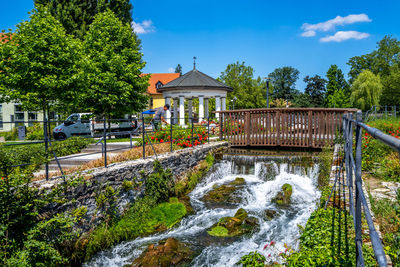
[284,82]
[366,90]
[391,87]
[378,61]
[77,15]
[336,83]
[38,64]
[315,89]
[248,91]
[114,64]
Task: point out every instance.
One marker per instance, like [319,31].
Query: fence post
[46,147]
[192,132]
[358,183]
[350,167]
[171,134]
[208,128]
[105,141]
[220,127]
[143,140]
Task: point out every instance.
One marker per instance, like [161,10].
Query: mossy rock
[170,252]
[270,214]
[185,200]
[234,226]
[238,181]
[282,198]
[222,194]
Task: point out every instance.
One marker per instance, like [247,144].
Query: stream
[264,177]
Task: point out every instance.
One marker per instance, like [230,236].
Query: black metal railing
[142,135]
[349,168]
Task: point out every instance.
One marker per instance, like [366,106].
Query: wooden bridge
[285,127]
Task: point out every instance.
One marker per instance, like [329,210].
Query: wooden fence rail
[288,127]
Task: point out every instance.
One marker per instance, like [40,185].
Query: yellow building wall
[158,101]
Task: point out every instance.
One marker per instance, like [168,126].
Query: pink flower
[265,246]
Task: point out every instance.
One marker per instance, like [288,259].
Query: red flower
[161,141]
[265,246]
[272,243]
[152,138]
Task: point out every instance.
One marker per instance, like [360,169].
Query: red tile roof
[164,78]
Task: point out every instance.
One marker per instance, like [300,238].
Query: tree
[38,64]
[248,91]
[391,87]
[315,90]
[336,82]
[284,81]
[178,69]
[113,68]
[77,15]
[366,90]
[378,61]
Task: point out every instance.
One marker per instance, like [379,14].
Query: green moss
[238,181]
[218,231]
[142,219]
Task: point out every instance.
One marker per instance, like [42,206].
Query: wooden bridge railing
[289,127]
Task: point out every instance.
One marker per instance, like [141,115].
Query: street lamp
[233,100]
[267,83]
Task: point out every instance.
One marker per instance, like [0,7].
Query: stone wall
[96,180]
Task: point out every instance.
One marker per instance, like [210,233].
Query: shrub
[160,184]
[253,259]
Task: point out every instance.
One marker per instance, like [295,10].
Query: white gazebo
[191,85]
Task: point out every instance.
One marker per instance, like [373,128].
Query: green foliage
[113,67]
[337,89]
[143,218]
[40,60]
[178,69]
[315,89]
[366,90]
[106,201]
[284,81]
[391,87]
[253,259]
[159,184]
[127,185]
[378,61]
[250,92]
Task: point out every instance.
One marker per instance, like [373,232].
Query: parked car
[85,124]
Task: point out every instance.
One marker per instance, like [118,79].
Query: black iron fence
[382,112]
[136,133]
[347,191]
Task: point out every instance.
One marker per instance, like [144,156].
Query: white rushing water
[256,198]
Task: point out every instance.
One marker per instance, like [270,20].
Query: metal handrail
[354,164]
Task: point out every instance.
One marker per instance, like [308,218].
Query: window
[1,116]
[151,102]
[32,117]
[159,84]
[19,115]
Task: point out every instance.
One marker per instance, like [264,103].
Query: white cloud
[308,34]
[144,27]
[311,29]
[344,35]
[171,70]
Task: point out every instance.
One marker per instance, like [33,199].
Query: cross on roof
[194,63]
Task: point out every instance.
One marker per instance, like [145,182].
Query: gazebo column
[201,108]
[217,103]
[168,102]
[190,110]
[175,116]
[181,110]
[206,108]
[223,103]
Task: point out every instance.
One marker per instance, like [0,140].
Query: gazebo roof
[195,79]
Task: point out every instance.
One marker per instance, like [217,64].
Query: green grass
[142,219]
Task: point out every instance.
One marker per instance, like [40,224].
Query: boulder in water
[282,198]
[224,194]
[270,214]
[168,253]
[237,225]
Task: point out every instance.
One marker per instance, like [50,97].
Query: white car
[84,124]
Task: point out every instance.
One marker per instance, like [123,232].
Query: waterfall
[264,177]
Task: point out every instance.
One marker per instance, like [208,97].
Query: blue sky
[264,34]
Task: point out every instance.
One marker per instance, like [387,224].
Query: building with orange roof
[156,81]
